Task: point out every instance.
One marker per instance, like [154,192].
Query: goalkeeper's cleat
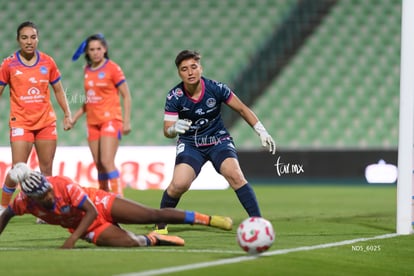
[161,231]
[221,222]
[164,240]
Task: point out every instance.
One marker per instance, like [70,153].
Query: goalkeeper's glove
[267,140]
[180,126]
[19,172]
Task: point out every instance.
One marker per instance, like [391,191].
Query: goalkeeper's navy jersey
[207,126]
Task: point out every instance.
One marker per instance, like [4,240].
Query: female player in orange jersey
[93,214]
[104,80]
[29,72]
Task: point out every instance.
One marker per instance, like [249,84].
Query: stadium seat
[344,82]
[340,89]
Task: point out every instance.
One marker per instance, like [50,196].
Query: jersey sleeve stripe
[230,97]
[119,83]
[55,81]
[82,201]
[168,116]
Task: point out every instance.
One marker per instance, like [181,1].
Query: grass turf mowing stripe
[248,258]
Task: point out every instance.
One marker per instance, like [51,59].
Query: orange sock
[116,186]
[201,219]
[6,195]
[103,185]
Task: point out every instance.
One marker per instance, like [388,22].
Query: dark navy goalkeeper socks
[247,198]
[167,201]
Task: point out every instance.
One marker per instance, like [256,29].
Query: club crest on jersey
[177,93]
[101,75]
[211,102]
[43,70]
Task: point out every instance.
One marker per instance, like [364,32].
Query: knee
[236,180]
[176,190]
[46,169]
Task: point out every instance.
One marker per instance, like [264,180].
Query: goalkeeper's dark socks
[247,198]
[167,201]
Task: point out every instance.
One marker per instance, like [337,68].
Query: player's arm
[126,98]
[1,89]
[63,103]
[90,215]
[250,117]
[5,217]
[78,114]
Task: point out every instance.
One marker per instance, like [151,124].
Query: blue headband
[82,47]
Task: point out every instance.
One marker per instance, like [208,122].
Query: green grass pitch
[303,216]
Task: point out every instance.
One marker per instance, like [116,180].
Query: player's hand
[126,127]
[180,126]
[267,140]
[19,172]
[69,244]
[68,123]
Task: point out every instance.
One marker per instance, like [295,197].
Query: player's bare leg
[102,179]
[108,147]
[125,211]
[46,150]
[183,176]
[20,153]
[232,172]
[118,237]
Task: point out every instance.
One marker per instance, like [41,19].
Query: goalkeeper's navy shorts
[196,157]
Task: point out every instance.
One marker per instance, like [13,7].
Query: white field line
[248,258]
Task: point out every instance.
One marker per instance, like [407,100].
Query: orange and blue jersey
[67,211]
[101,84]
[30,105]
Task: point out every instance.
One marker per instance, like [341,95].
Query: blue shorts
[196,157]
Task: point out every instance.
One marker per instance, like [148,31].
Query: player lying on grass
[92,214]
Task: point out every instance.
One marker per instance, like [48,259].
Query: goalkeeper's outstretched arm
[250,117]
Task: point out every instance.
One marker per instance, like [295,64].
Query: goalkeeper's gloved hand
[267,140]
[19,172]
[180,126]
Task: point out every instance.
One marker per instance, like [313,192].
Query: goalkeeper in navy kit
[193,112]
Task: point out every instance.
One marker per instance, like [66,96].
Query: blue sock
[102,176]
[8,190]
[113,174]
[189,217]
[247,198]
[167,201]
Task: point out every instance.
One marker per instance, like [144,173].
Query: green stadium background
[321,75]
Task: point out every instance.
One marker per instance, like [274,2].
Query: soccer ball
[255,235]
